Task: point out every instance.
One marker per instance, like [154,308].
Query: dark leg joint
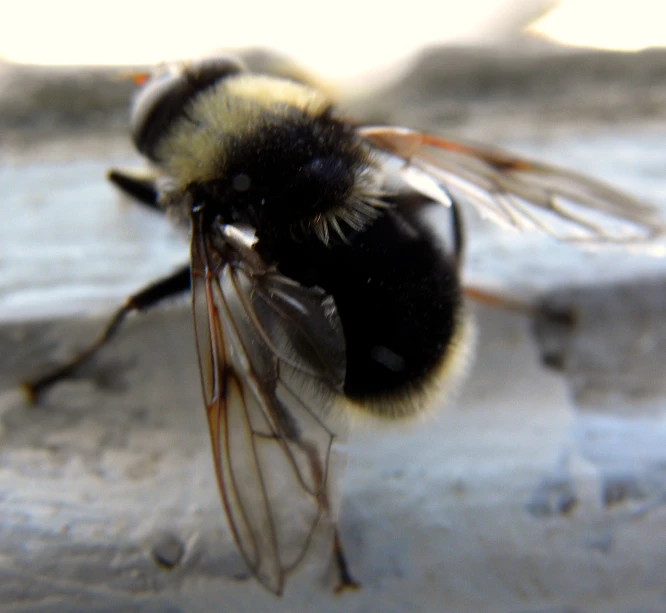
[140,187]
[346,582]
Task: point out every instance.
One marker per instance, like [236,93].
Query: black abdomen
[397,291]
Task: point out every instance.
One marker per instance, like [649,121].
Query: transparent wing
[272,361]
[515,192]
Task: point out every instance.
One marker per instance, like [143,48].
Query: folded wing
[272,361]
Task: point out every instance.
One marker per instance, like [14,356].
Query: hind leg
[156,292]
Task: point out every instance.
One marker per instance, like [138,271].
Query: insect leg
[140,186]
[496,300]
[176,283]
[347,582]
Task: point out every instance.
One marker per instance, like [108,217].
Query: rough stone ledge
[519,497]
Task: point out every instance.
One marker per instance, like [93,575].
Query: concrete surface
[540,490]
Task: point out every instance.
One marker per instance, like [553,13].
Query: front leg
[139,185]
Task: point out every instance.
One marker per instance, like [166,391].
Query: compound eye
[165,97]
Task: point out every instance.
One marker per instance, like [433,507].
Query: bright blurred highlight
[606,24]
[342,40]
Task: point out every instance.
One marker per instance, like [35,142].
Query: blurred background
[428,65]
[343,41]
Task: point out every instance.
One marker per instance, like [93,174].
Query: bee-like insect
[325,276]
